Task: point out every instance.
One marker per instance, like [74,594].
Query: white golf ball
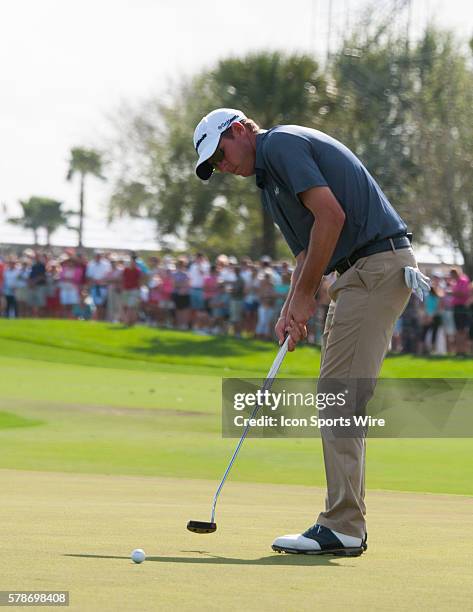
[138,555]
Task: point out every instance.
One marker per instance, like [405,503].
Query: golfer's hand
[280,329]
[301,309]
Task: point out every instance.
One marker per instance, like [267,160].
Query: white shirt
[197,272]
[10,278]
[227,275]
[98,270]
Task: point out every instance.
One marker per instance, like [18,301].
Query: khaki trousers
[366,302]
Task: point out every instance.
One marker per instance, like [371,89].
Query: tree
[443,139]
[40,213]
[84,162]
[374,117]
[155,173]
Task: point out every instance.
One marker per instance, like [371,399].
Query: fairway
[75,532]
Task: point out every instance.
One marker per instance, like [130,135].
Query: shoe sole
[338,552]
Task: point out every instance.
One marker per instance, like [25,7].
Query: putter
[211,526]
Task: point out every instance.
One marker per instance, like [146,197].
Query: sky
[66,67]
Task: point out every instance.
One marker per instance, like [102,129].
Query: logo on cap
[227,122]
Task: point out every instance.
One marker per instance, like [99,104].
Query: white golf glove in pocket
[418,282]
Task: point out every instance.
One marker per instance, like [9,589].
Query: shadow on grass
[204,346]
[209,559]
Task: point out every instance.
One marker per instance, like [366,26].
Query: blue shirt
[291,159]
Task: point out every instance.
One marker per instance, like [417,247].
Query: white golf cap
[207,136]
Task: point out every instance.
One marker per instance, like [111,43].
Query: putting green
[75,532]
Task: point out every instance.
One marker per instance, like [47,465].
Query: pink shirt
[210,286]
[71,275]
[462,287]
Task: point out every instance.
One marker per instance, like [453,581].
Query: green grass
[76,532]
[89,343]
[96,398]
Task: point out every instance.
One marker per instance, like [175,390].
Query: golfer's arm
[329,221]
[294,276]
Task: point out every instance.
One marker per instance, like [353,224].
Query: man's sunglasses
[216,158]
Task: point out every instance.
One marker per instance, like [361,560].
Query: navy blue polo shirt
[291,159]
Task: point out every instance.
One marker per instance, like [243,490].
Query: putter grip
[277,361]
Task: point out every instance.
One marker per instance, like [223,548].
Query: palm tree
[84,162]
[41,213]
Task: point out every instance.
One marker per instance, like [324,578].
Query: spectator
[97,273]
[197,272]
[267,268]
[166,303]
[220,304]
[411,326]
[225,271]
[210,290]
[38,286]
[114,291]
[266,298]
[70,277]
[180,296]
[251,302]
[461,297]
[53,304]
[22,290]
[237,295]
[10,280]
[2,268]
[431,320]
[448,317]
[131,282]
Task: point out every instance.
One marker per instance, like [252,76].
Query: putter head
[201,527]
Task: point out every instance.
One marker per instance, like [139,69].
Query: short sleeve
[291,159]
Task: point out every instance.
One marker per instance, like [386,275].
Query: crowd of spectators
[227,296]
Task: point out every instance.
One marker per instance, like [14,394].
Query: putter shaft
[266,386]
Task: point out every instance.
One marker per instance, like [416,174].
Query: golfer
[334,217]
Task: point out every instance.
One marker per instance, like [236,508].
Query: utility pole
[329,29]
[313,26]
[408,23]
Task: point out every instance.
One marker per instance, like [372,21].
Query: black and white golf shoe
[319,540]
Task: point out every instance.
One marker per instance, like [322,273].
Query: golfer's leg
[368,298]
